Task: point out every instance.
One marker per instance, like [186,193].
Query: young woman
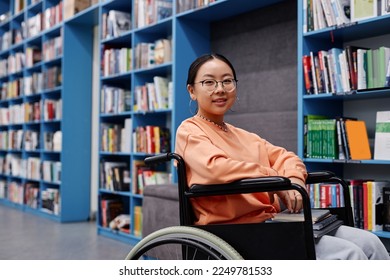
[218,152]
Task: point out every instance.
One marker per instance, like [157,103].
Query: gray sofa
[160,207]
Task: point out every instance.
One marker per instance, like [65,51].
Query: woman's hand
[292,199]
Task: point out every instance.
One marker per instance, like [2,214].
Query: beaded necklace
[223,126]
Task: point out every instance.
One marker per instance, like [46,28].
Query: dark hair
[193,70]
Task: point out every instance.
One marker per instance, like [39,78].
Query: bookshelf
[361,104]
[46,109]
[188,29]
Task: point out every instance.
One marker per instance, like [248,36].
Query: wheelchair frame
[218,232]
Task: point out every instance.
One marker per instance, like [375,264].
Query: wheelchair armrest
[319,176]
[249,185]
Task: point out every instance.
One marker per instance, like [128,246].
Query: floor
[25,236]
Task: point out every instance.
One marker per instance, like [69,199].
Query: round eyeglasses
[210,85]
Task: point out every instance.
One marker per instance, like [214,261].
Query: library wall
[266,67]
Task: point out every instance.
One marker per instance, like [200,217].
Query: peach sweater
[214,156]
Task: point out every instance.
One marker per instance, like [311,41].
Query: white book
[382,136]
[361,69]
[328,12]
[377,202]
[343,8]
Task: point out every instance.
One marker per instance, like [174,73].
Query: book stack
[323,221]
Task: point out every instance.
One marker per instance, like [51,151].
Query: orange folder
[359,147]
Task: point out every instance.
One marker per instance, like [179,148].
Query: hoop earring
[190,107]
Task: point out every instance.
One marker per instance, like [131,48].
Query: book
[382,136]
[306,60]
[342,11]
[386,209]
[316,215]
[377,203]
[361,68]
[324,222]
[356,191]
[359,146]
[363,9]
[119,22]
[328,12]
[328,229]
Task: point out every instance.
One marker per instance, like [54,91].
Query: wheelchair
[266,240]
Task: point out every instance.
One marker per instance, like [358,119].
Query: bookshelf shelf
[62,188]
[361,104]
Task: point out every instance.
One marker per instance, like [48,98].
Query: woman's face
[213,104]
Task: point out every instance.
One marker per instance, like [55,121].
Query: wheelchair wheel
[183,242]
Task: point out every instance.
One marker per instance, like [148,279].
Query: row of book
[51,201]
[185,5]
[32,27]
[28,85]
[18,139]
[29,194]
[30,168]
[345,138]
[116,137]
[47,110]
[325,195]
[51,49]
[336,138]
[371,204]
[115,216]
[115,100]
[116,61]
[151,139]
[149,54]
[14,63]
[341,70]
[145,175]
[155,95]
[122,138]
[23,194]
[42,21]
[319,14]
[31,84]
[370,201]
[115,23]
[151,11]
[28,140]
[114,176]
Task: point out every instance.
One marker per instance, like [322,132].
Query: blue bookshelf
[38,176]
[363,104]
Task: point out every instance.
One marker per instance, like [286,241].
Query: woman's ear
[190,90]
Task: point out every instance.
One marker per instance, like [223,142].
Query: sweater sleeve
[206,163]
[287,164]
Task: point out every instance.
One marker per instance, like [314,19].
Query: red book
[307,74]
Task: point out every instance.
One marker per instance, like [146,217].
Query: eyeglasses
[211,85]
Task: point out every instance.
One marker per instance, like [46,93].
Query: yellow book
[359,146]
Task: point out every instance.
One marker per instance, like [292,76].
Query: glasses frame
[216,84]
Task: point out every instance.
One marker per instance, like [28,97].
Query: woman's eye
[209,83]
